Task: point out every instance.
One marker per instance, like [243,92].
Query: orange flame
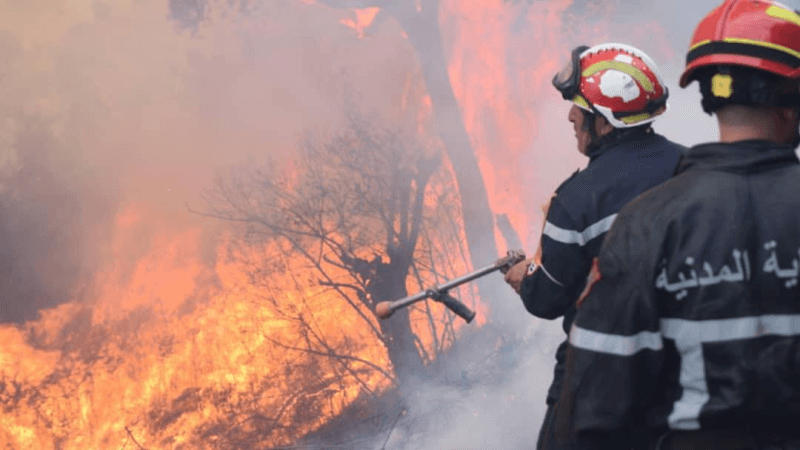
[497,78]
[162,328]
[362,20]
[501,77]
[177,324]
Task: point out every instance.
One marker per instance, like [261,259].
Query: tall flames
[172,347]
[173,341]
[503,92]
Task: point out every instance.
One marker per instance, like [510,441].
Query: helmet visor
[567,80]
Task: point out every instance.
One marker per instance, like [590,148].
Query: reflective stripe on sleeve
[578,237]
[533,268]
[721,330]
[552,278]
[614,344]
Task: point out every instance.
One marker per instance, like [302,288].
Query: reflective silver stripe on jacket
[614,344]
[578,237]
[552,278]
[689,337]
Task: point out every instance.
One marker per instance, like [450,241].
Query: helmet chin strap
[588,125]
[597,142]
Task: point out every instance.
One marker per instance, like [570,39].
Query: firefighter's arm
[615,352]
[517,273]
[552,283]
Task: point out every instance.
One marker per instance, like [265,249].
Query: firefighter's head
[745,55]
[616,89]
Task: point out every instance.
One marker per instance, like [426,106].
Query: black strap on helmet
[727,85]
[597,143]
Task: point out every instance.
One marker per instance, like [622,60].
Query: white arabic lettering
[725,274]
[771,265]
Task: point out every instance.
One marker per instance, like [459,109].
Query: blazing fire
[174,346]
[177,347]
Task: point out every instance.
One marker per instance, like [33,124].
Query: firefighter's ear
[786,121]
[602,126]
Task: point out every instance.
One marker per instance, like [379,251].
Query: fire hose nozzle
[383,310]
[440,293]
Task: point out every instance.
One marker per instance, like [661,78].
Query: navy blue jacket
[581,212]
[694,322]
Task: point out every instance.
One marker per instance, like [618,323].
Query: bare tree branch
[351,223]
[333,355]
[130,435]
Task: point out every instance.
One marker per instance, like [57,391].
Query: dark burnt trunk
[424,33]
[387,283]
[399,337]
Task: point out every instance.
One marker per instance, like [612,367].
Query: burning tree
[362,216]
[420,22]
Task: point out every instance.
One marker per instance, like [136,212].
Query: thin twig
[128,438]
[130,435]
[345,446]
[392,428]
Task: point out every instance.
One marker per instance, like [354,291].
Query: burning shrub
[357,219]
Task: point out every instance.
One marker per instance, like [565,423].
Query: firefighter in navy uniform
[617,93]
[690,319]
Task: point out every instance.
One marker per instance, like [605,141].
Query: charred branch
[391,429]
[132,438]
[334,355]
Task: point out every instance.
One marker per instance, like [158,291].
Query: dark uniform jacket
[583,209]
[693,320]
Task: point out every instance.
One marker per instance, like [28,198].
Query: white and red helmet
[616,80]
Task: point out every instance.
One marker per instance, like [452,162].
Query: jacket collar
[738,157]
[624,142]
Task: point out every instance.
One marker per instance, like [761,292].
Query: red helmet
[616,80]
[759,34]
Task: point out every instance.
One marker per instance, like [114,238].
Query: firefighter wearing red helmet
[617,92]
[691,319]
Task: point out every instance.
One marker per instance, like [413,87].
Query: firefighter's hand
[515,274]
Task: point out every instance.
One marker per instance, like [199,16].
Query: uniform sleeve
[616,349]
[550,290]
